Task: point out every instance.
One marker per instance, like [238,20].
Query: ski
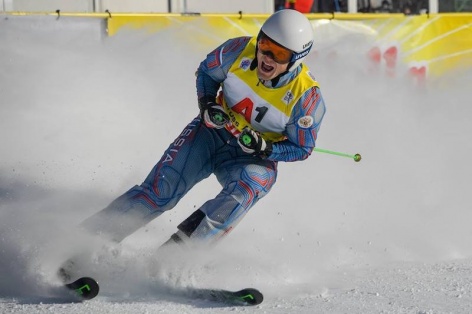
[84,288]
[248,296]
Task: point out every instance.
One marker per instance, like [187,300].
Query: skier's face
[272,58]
[267,67]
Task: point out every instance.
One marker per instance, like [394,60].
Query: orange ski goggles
[270,48]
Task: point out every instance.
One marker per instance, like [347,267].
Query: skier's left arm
[302,128]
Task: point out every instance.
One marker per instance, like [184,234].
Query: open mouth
[266,68]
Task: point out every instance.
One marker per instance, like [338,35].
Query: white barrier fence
[160,6]
[141,6]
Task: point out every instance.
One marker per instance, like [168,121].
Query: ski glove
[212,114]
[251,142]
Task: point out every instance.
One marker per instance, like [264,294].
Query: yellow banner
[428,45]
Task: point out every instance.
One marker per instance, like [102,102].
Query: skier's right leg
[186,162]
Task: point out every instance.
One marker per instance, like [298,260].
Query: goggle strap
[299,55]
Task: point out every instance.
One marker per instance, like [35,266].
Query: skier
[259,104]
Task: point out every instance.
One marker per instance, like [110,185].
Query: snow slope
[84,117]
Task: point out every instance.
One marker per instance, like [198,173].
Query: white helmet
[292,30]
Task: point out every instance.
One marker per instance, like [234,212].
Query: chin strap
[276,80]
[290,65]
[253,65]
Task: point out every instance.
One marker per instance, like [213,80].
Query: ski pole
[356,157]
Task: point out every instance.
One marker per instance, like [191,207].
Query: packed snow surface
[83,117]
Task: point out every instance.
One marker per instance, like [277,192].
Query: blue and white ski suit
[293,110]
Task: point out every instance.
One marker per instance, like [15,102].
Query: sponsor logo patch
[305,122]
[288,97]
[245,63]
